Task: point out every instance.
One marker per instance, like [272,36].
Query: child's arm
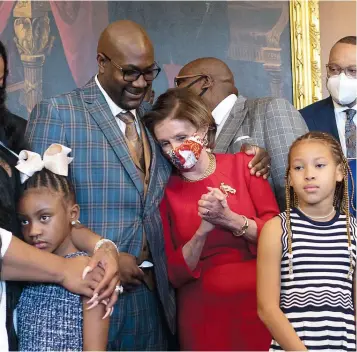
[95,329]
[268,288]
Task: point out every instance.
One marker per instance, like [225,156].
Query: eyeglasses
[131,75]
[335,70]
[178,79]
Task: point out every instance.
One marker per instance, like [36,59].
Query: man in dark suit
[119,175]
[270,123]
[337,113]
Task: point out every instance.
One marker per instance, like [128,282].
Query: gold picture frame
[305,52]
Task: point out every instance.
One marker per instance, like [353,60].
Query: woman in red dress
[212,212]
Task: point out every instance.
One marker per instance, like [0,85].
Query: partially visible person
[307,255]
[119,175]
[12,127]
[337,113]
[212,212]
[270,123]
[50,317]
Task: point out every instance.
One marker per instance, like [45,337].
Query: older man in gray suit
[270,123]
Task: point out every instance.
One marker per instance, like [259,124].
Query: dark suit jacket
[320,116]
[13,135]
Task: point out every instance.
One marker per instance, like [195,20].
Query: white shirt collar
[340,108]
[114,108]
[222,110]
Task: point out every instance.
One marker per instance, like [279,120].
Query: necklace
[318,217]
[209,171]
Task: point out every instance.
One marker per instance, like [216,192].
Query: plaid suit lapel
[153,179]
[101,113]
[231,126]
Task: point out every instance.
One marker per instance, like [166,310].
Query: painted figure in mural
[270,123]
[119,175]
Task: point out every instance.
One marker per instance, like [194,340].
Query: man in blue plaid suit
[119,175]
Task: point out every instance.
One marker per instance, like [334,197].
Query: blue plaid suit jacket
[108,186]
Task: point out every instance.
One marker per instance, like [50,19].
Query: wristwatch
[244,228]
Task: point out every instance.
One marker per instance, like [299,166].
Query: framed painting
[272,47]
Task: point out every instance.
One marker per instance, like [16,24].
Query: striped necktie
[350,133]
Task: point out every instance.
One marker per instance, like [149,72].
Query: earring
[73,222]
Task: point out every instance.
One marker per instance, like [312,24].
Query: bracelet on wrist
[103,241]
[243,229]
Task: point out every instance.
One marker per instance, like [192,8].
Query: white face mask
[343,89]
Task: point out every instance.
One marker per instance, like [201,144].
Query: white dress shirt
[5,242]
[341,119]
[222,111]
[115,109]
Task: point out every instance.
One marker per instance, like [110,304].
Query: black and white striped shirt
[318,301]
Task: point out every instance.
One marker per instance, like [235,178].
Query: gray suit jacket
[271,123]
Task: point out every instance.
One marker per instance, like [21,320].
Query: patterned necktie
[350,132]
[132,136]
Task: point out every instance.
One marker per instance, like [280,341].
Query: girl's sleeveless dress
[319,300]
[50,318]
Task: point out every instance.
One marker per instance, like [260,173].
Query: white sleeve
[5,240]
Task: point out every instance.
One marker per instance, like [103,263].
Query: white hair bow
[54,159]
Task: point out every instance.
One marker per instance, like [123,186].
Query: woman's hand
[213,207]
[106,257]
[205,228]
[72,277]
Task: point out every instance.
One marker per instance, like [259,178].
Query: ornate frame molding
[305,52]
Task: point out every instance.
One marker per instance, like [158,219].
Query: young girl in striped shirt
[307,255]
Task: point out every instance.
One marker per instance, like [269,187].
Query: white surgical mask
[343,89]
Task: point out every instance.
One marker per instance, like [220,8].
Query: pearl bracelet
[101,242]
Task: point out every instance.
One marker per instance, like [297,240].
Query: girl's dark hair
[182,104]
[57,183]
[341,198]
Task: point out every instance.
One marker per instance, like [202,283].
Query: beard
[2,99]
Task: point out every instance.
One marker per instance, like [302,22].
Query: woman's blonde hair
[182,104]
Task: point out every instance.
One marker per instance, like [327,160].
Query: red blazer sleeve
[263,199]
[178,271]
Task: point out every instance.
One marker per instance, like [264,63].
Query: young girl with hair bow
[50,317]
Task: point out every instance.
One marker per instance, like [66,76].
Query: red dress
[216,303]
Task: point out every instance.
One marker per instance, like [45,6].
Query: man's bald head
[217,79]
[124,46]
[122,37]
